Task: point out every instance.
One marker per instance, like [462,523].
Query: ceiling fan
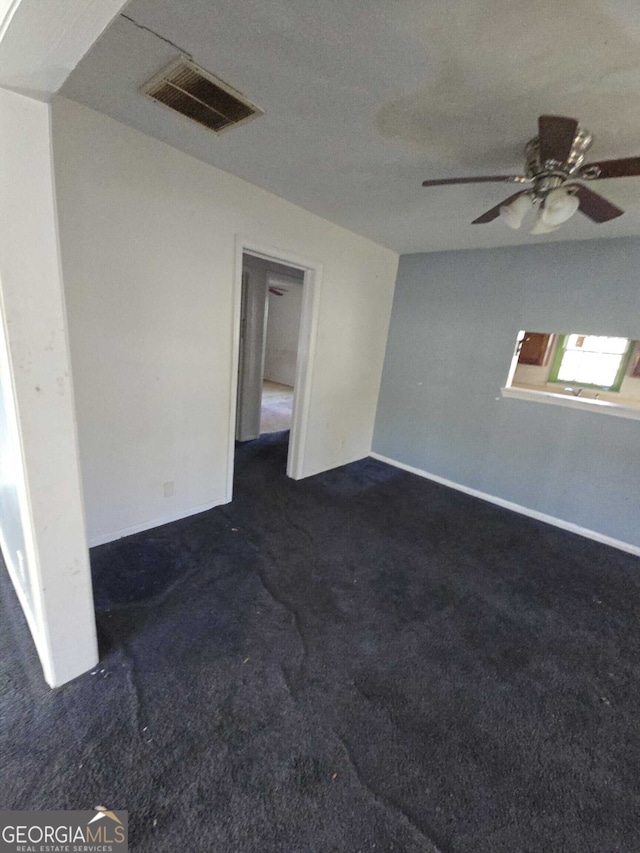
[555,167]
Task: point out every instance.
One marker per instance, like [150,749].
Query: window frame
[620,375]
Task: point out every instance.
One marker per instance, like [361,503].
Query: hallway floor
[277,407]
[359,662]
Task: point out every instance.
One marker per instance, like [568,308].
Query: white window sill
[585,403]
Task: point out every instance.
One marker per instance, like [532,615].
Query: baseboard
[149,525]
[523,510]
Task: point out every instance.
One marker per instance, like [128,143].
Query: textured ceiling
[363,100]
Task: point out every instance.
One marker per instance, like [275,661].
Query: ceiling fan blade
[556,137]
[494,213]
[441,182]
[626,167]
[595,206]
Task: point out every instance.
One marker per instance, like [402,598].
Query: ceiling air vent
[190,90]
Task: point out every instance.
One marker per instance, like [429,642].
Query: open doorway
[284,311]
[277,299]
[272,296]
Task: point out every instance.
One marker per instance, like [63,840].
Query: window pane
[596,343]
[589,368]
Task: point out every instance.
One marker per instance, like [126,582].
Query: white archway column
[42,41]
[51,568]
[42,530]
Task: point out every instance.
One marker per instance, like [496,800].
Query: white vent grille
[191,91]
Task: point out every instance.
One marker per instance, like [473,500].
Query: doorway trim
[307,336]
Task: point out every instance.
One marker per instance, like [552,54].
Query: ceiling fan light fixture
[542,227]
[559,206]
[513,214]
[553,157]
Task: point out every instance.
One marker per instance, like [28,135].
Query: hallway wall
[283,326]
[148,246]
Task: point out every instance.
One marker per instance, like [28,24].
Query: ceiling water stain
[497,65]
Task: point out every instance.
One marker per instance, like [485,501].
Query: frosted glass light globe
[514,213]
[559,206]
[541,227]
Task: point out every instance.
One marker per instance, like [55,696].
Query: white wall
[148,245]
[283,326]
[252,347]
[42,522]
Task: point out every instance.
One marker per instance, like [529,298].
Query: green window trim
[617,384]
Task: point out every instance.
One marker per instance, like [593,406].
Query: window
[594,361]
[598,373]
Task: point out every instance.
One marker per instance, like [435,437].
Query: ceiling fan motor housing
[535,167]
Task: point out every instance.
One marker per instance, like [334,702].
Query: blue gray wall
[452,335]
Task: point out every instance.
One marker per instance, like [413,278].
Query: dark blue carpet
[361,661]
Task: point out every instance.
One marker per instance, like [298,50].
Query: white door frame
[306,351]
